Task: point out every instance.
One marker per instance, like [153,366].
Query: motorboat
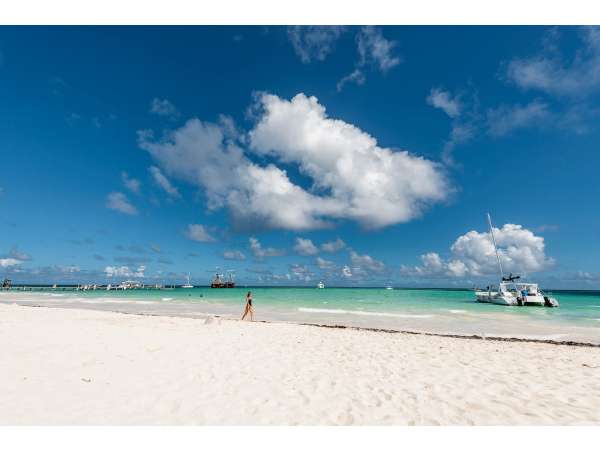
[320,285]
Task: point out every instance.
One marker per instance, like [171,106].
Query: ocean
[421,310]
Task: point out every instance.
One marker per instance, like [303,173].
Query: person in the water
[249,308]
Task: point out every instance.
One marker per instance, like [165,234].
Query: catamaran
[510,292]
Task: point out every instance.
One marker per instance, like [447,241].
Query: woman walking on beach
[249,308]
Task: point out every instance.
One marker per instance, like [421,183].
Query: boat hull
[495,298]
[222,285]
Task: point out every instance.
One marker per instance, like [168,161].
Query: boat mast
[495,247]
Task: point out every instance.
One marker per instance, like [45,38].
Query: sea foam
[364,313]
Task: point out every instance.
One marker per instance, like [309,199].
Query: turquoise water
[430,310]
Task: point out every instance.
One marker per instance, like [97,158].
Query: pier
[88,287]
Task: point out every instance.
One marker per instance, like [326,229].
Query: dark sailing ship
[219,281]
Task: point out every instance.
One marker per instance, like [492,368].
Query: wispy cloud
[162,181]
[374,51]
[118,201]
[132,184]
[333,246]
[261,252]
[357,77]
[507,118]
[305,247]
[164,108]
[234,255]
[325,264]
[314,42]
[124,272]
[549,72]
[444,100]
[199,233]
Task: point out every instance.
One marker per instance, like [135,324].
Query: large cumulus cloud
[352,177]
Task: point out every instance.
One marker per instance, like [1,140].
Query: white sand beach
[68,366]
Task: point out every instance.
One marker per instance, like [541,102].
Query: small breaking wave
[106,300]
[166,299]
[457,311]
[364,313]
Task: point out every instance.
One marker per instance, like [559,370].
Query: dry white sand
[61,366]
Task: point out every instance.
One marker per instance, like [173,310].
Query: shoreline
[339,326]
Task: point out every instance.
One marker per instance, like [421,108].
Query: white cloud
[132,184]
[163,182]
[68,269]
[356,77]
[314,42]
[366,263]
[548,71]
[119,202]
[505,119]
[462,109]
[256,196]
[333,246]
[9,262]
[324,264]
[346,272]
[443,100]
[373,48]
[260,253]
[300,272]
[353,177]
[372,185]
[305,247]
[124,271]
[163,108]
[520,251]
[234,254]
[197,232]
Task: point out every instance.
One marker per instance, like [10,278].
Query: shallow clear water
[434,310]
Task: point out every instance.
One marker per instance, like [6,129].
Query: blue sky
[356,155]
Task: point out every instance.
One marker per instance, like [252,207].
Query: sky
[360,156]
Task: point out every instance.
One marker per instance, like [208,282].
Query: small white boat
[389,288]
[321,285]
[510,292]
[187,285]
